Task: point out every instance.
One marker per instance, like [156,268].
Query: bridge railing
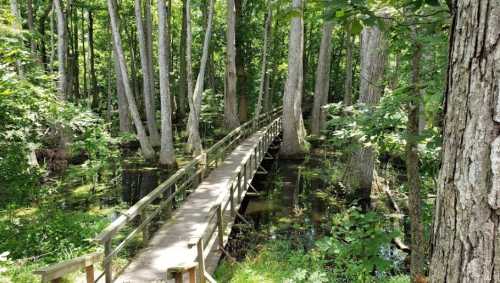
[161,201]
[239,184]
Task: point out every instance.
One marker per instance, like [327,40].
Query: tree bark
[417,246]
[348,67]
[194,139]
[84,55]
[241,62]
[62,44]
[322,85]
[230,99]
[147,149]
[263,72]
[146,81]
[293,126]
[93,76]
[466,230]
[148,32]
[373,58]
[167,151]
[182,84]
[31,25]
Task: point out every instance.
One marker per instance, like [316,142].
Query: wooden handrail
[57,271]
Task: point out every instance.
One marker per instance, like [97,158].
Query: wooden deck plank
[169,245]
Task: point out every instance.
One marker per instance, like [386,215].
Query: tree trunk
[148,33]
[194,139]
[147,149]
[230,99]
[31,26]
[241,62]
[167,151]
[182,84]
[466,230]
[93,77]
[62,43]
[348,67]
[293,133]
[196,147]
[417,246]
[373,58]
[43,37]
[322,85]
[123,113]
[263,72]
[84,55]
[146,80]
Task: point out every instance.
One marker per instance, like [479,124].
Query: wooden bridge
[193,212]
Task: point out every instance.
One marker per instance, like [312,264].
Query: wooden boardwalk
[204,195]
[169,247]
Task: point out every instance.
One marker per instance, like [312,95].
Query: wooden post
[107,264]
[220,225]
[239,187]
[192,275]
[201,260]
[245,176]
[231,199]
[89,271]
[178,278]
[145,230]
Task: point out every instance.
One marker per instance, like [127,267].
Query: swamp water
[291,204]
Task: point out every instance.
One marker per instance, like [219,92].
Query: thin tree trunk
[466,229]
[93,77]
[348,67]
[241,63]
[167,151]
[84,55]
[322,77]
[147,149]
[75,53]
[182,84]
[230,99]
[147,87]
[123,113]
[373,58]
[293,133]
[31,25]
[43,37]
[62,43]
[194,139]
[417,246]
[148,32]
[263,71]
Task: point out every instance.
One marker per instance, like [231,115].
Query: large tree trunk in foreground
[373,58]
[417,246]
[348,67]
[194,139]
[123,114]
[263,72]
[293,126]
[62,44]
[322,77]
[230,99]
[147,149]
[167,152]
[466,230]
[142,39]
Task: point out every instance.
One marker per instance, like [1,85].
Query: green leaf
[356,27]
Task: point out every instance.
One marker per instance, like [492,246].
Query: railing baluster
[239,186]
[231,199]
[220,225]
[108,262]
[201,260]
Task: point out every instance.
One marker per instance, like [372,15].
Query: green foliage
[359,247]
